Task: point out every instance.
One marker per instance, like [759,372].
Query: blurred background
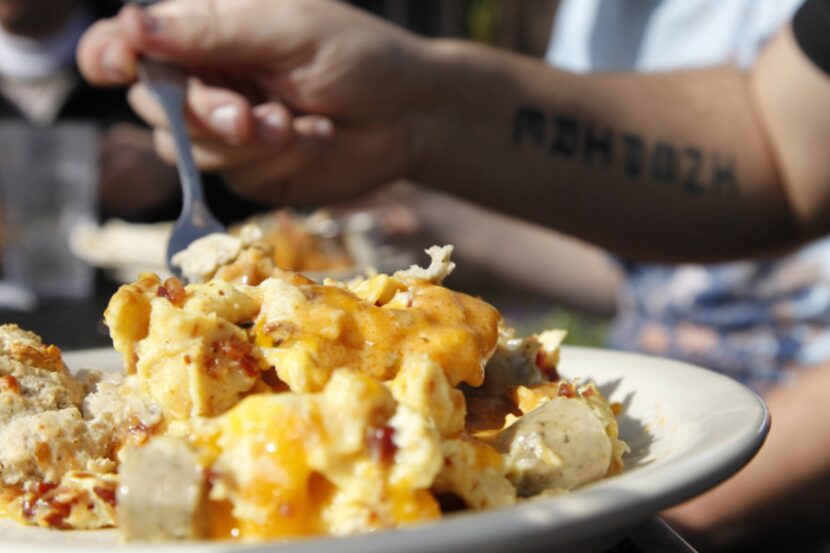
[85,203]
[522,26]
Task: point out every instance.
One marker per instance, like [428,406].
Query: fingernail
[323,128]
[115,63]
[225,120]
[150,24]
[272,126]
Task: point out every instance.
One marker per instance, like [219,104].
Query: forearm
[784,492]
[671,166]
[570,273]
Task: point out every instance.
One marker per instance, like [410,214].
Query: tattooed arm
[672,166]
[315,101]
[781,499]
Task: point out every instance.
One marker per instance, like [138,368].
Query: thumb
[206,32]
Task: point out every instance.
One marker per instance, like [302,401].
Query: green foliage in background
[582,330]
[482,20]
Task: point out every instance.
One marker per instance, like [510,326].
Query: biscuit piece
[60,434]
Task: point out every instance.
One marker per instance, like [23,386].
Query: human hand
[295,101]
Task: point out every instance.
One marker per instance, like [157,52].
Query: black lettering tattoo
[683,165]
[664,163]
[724,178]
[530,122]
[598,144]
[566,137]
[694,168]
[634,155]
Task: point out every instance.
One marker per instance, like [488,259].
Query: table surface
[73,325]
[70,325]
[653,536]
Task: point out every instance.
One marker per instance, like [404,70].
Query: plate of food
[256,409]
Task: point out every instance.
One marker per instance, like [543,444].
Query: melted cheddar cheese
[277,407]
[310,330]
[303,464]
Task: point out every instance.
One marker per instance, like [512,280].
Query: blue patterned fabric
[759,321]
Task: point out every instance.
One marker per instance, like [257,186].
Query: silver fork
[168,84]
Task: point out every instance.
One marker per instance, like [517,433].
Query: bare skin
[782,496]
[693,165]
[570,273]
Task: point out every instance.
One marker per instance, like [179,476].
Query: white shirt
[36,74]
[658,35]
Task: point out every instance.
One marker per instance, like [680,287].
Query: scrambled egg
[279,407]
[346,459]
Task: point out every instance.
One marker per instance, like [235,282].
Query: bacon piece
[173,291]
[382,445]
[11,384]
[566,389]
[546,363]
[106,494]
[234,352]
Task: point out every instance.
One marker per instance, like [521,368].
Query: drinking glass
[48,181]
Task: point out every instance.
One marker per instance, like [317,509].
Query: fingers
[354,162]
[315,127]
[104,57]
[269,180]
[273,124]
[212,112]
[188,32]
[206,31]
[215,113]
[210,154]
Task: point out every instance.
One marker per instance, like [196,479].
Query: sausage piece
[162,494]
[562,444]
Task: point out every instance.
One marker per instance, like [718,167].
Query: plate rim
[688,476]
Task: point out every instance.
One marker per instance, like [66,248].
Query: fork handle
[192,191]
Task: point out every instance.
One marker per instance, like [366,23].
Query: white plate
[688,428]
